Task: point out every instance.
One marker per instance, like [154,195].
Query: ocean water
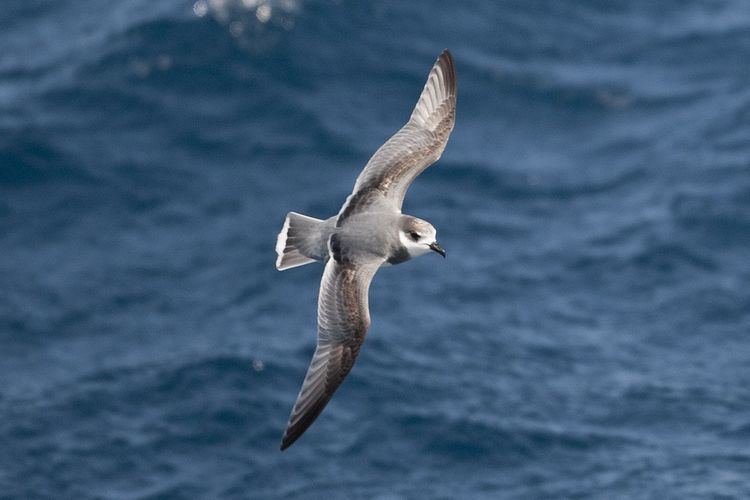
[588,335]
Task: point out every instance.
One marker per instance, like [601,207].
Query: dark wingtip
[287,441]
[446,58]
[291,434]
[296,429]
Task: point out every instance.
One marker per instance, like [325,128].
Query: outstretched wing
[343,320]
[419,144]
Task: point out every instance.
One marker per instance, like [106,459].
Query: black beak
[435,246]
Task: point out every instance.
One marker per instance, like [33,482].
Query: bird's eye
[414,235]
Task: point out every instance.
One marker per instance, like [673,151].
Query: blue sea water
[588,335]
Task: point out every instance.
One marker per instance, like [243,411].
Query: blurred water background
[588,335]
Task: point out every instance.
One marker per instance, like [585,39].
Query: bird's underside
[351,244]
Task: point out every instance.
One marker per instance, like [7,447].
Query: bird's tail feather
[295,239]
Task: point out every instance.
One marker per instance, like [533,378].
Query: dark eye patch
[414,235]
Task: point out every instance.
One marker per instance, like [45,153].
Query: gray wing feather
[343,320]
[418,144]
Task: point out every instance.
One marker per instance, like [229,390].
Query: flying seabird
[368,232]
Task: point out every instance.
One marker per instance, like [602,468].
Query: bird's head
[418,236]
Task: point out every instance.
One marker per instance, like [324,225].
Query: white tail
[296,241]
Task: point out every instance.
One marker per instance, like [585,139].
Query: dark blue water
[587,337]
